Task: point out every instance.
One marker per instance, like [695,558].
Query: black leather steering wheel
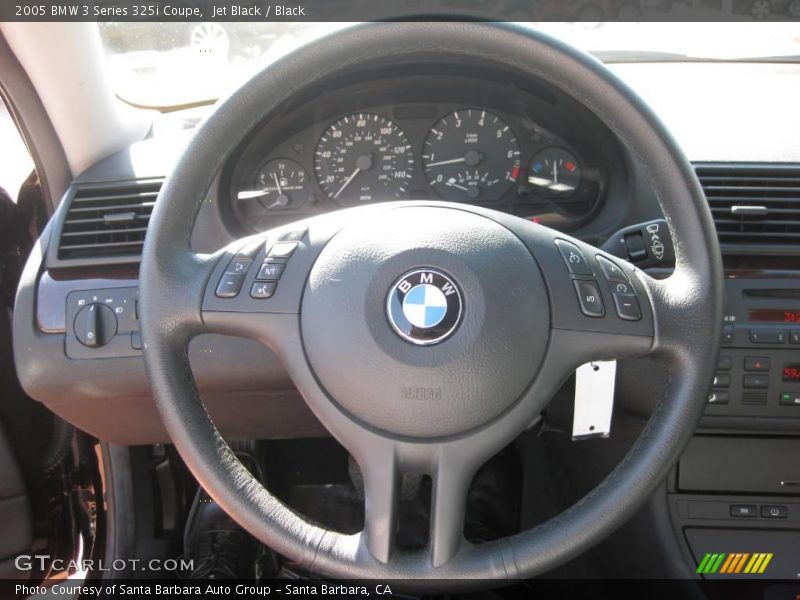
[440,394]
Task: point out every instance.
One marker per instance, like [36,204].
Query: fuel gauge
[555,171]
[281,184]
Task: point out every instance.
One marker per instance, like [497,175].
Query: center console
[758,374]
[734,498]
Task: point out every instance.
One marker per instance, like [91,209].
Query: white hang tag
[594,399]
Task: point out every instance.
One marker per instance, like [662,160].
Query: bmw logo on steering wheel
[424,306]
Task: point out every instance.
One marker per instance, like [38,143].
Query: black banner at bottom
[562,589]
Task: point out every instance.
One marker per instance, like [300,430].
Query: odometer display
[363,158]
[471,154]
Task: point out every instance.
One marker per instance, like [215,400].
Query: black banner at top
[383,10]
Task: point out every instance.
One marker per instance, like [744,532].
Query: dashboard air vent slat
[756,207]
[108,220]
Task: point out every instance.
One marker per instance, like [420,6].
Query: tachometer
[471,154]
[363,158]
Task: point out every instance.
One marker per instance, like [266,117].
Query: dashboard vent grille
[108,221]
[755,206]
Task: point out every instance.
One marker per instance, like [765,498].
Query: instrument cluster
[493,156]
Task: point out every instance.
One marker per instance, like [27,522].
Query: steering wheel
[424,335]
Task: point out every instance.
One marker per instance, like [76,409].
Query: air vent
[108,221]
[756,207]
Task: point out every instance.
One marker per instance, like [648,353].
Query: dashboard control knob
[95,325]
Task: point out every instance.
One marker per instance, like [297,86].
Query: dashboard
[469,138]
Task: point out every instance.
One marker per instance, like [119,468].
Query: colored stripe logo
[734,563]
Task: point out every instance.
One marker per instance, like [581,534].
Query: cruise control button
[270,271]
[573,258]
[229,285]
[612,271]
[263,289]
[239,264]
[589,298]
[721,381]
[719,397]
[282,250]
[627,306]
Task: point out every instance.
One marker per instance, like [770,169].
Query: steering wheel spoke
[451,467]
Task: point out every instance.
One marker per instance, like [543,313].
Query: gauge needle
[277,183]
[347,182]
[452,161]
[555,172]
[253,194]
[451,183]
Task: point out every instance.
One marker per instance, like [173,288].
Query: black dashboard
[476,138]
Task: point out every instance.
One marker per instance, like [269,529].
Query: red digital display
[775,315]
[791,372]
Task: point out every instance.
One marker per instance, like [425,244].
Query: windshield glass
[175,65]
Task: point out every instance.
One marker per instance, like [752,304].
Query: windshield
[175,65]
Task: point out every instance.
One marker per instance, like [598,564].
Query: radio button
[727,334]
[794,336]
[767,336]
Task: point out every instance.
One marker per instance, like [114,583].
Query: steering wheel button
[626,304]
[239,264]
[589,298]
[251,249]
[612,271]
[296,235]
[270,271]
[282,250]
[574,259]
[263,289]
[229,285]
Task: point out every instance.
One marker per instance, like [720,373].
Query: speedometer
[363,158]
[471,154]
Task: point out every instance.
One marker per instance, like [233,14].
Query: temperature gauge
[280,184]
[555,171]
